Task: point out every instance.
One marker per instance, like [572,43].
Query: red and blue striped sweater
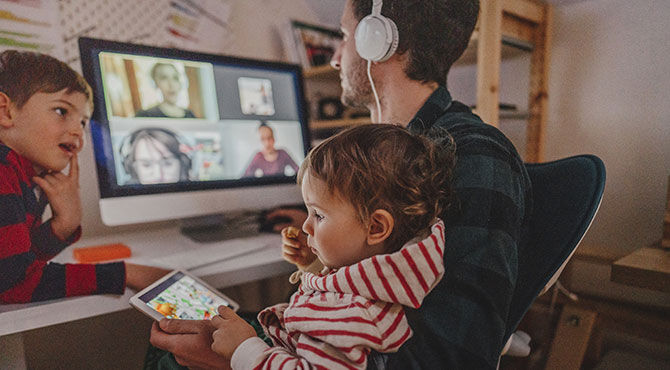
[27,245]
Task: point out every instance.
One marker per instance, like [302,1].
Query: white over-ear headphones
[376,36]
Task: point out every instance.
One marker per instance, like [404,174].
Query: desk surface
[145,246]
[645,268]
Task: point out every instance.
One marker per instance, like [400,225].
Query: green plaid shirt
[461,323]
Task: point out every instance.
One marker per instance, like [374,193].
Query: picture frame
[310,45]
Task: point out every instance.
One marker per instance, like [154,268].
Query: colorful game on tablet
[182,297]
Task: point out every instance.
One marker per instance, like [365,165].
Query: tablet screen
[181,297]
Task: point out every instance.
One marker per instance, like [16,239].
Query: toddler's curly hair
[383,166]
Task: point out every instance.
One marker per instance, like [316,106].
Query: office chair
[566,197]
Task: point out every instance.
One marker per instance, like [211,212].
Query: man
[462,321]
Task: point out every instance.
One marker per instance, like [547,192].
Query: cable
[374,91]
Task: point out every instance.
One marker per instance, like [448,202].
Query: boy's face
[333,230]
[48,130]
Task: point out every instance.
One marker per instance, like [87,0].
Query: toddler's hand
[63,194]
[295,249]
[231,331]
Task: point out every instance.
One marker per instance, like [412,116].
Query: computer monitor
[179,134]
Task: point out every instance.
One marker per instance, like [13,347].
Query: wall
[608,91]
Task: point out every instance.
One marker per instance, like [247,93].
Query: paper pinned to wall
[198,25]
[30,25]
[53,27]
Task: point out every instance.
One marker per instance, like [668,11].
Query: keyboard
[211,253]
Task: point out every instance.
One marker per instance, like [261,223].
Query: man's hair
[434,33]
[382,166]
[24,73]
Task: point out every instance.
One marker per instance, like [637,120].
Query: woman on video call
[269,161]
[167,80]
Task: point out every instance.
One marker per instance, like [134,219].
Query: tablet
[180,295]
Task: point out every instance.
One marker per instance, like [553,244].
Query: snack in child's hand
[292,232]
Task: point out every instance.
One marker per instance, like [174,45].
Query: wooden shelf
[335,123]
[645,268]
[324,71]
[513,115]
[511,48]
[506,28]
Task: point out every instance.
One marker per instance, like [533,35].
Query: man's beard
[357,92]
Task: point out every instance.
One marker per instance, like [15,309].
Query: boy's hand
[231,331]
[139,277]
[294,247]
[63,194]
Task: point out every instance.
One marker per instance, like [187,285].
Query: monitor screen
[180,134]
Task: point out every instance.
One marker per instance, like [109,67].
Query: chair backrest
[566,197]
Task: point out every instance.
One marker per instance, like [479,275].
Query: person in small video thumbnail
[167,79]
[270,161]
[155,156]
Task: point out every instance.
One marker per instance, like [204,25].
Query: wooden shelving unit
[324,71]
[524,25]
[506,29]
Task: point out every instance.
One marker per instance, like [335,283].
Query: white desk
[145,246]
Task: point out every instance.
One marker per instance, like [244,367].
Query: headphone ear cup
[185,162]
[376,38]
[125,153]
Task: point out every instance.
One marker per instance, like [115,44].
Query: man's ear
[6,114]
[381,226]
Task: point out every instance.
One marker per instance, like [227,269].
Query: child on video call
[373,195]
[44,107]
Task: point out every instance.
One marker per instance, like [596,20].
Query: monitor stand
[213,228]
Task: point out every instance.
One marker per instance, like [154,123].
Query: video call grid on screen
[174,121]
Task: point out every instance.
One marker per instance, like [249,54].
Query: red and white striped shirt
[334,320]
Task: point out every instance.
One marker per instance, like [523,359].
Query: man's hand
[295,250]
[231,331]
[139,277]
[63,194]
[296,216]
[189,341]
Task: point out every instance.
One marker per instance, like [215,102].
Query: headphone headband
[377,7]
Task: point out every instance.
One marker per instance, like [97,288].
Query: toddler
[373,195]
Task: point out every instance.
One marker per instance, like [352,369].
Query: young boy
[44,107]
[373,194]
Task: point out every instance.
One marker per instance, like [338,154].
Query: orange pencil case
[101,253]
